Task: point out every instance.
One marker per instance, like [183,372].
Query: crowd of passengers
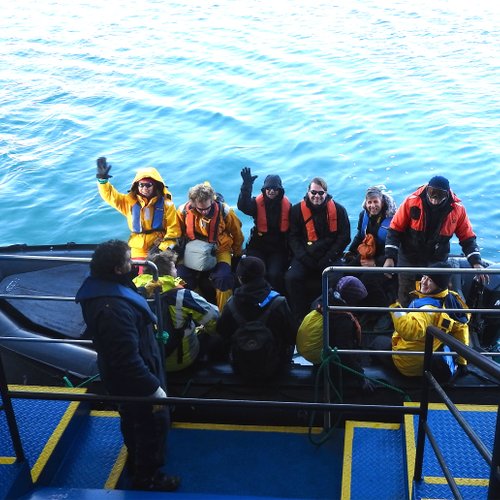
[211,284]
[255,305]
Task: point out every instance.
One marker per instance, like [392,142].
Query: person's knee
[222,277]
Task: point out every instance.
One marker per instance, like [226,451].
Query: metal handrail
[478,359]
[5,394]
[492,459]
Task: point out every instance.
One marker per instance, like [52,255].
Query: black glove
[462,370]
[103,168]
[246,175]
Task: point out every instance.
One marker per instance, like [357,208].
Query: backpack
[255,350]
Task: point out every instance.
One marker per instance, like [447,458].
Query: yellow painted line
[410,438]
[411,435]
[106,414]
[345,491]
[7,460]
[461,481]
[117,470]
[248,428]
[350,427]
[461,407]
[56,434]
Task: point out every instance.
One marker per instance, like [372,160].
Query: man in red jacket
[421,229]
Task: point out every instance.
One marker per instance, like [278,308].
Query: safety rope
[331,356]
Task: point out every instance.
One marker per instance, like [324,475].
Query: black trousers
[144,428]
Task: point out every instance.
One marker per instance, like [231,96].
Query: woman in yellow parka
[148,207]
[410,327]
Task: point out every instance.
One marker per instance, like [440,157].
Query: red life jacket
[213,224]
[309,223]
[262,216]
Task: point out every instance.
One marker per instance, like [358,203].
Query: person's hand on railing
[388,263]
[482,278]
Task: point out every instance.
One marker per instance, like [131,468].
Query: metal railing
[5,394]
[458,348]
[327,407]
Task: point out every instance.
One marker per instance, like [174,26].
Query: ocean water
[361,92]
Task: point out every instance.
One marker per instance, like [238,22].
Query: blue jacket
[120,323]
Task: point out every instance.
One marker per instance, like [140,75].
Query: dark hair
[158,187]
[320,181]
[107,257]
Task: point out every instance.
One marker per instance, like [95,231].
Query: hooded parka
[410,331]
[147,224]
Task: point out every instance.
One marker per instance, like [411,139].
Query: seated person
[345,331]
[319,233]
[410,327]
[269,236]
[252,300]
[368,250]
[213,235]
[185,314]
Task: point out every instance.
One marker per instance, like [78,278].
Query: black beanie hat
[440,182]
[272,181]
[441,280]
[250,268]
[351,289]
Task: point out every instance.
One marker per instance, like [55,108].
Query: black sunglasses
[314,192]
[145,184]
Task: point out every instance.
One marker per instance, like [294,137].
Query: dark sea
[360,92]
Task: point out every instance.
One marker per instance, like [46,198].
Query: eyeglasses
[272,188]
[145,185]
[319,193]
[437,194]
[204,210]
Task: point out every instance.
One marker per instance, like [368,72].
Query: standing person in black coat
[120,323]
[319,232]
[251,300]
[269,236]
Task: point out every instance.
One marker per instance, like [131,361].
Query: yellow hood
[153,174]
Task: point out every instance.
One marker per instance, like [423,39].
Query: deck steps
[374,464]
[466,465]
[379,458]
[73,452]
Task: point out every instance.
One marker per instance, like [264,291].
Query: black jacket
[274,240]
[120,323]
[247,298]
[330,245]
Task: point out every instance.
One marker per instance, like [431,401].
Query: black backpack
[255,350]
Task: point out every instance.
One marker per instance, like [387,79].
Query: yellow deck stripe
[411,437]
[249,428]
[61,426]
[7,460]
[116,470]
[350,426]
[461,481]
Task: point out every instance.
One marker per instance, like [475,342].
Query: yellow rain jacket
[410,329]
[229,235]
[184,310]
[140,219]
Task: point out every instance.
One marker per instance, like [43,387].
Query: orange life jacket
[309,223]
[212,225]
[262,216]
